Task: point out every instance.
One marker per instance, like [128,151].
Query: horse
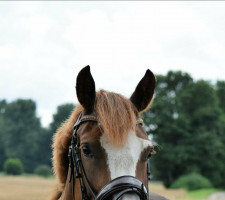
[101,151]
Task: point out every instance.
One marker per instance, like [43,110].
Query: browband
[85,118]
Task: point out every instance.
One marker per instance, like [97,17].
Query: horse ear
[85,88]
[144,91]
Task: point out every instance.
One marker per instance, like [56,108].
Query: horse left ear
[144,91]
[85,88]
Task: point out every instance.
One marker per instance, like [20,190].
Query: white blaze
[123,161]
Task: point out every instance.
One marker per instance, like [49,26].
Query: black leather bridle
[115,188]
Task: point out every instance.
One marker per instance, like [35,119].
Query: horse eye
[87,152]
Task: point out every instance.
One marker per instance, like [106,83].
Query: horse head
[107,145]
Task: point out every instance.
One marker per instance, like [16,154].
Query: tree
[44,145]
[21,132]
[168,125]
[62,113]
[220,91]
[206,152]
[2,131]
[185,121]
[45,140]
[13,166]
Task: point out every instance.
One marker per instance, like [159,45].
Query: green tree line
[186,122]
[23,137]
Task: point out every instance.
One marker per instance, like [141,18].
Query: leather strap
[75,159]
[121,185]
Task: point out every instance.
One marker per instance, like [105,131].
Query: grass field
[36,188]
[25,188]
[202,194]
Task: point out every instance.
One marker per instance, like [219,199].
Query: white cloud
[38,25]
[7,51]
[43,45]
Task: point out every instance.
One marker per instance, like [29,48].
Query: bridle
[115,188]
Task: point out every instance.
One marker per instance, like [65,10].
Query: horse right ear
[85,88]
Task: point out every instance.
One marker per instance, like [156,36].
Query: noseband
[115,188]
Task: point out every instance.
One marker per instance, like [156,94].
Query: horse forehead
[123,160]
[135,142]
[89,132]
[92,132]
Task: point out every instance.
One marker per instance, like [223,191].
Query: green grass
[202,193]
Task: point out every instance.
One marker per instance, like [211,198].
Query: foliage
[63,112]
[13,166]
[21,131]
[2,149]
[192,181]
[188,124]
[220,90]
[43,170]
[22,136]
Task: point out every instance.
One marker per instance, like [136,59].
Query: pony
[101,151]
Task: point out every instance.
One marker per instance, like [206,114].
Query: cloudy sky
[43,45]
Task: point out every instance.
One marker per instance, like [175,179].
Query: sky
[43,46]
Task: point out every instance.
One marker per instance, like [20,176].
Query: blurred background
[43,45]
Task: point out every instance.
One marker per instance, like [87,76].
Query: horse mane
[116,115]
